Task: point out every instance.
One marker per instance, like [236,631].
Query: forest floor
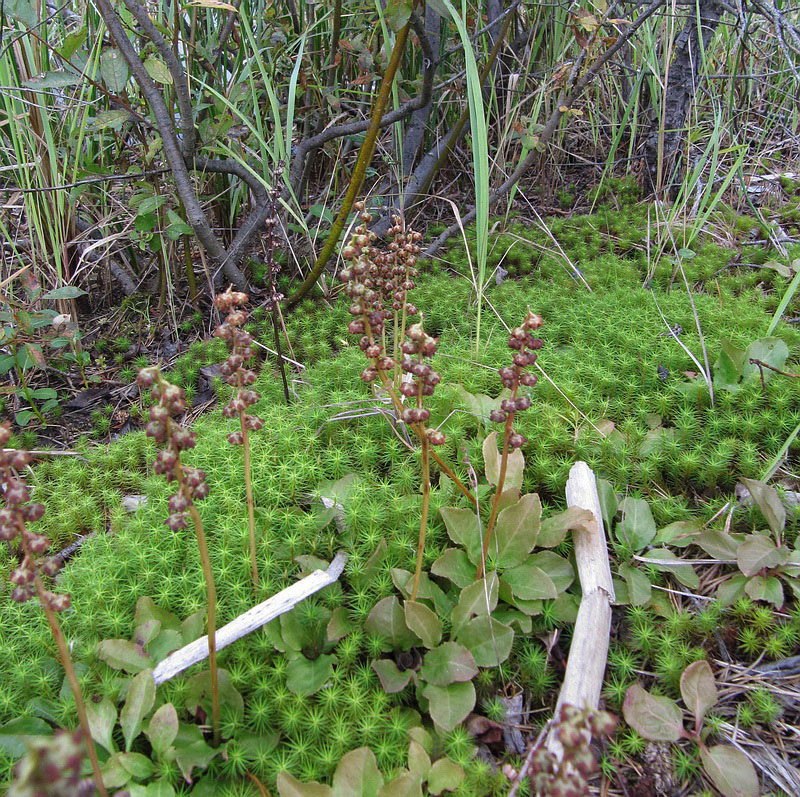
[645,374]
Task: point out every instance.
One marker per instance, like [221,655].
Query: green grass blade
[787,297]
[480,158]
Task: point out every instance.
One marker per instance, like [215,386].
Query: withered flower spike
[175,438]
[14,516]
[240,377]
[525,346]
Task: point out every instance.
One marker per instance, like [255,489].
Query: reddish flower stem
[501,478]
[423,522]
[211,597]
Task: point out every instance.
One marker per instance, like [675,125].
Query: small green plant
[27,330]
[761,358]
[517,585]
[131,705]
[357,773]
[512,377]
[660,719]
[765,563]
[375,281]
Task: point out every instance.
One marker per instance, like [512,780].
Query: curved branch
[218,166]
[457,48]
[429,166]
[309,145]
[183,182]
[417,128]
[227,29]
[364,158]
[179,79]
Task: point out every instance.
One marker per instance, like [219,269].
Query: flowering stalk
[192,487]
[512,377]
[51,766]
[373,279]
[27,577]
[424,379]
[566,775]
[240,378]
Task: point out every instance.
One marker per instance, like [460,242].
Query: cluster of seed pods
[394,269]
[569,777]
[233,369]
[366,299]
[271,241]
[418,347]
[174,438]
[376,281]
[52,766]
[525,345]
[17,512]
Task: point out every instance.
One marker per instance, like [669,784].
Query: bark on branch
[180,155]
[310,145]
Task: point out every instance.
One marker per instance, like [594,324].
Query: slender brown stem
[262,789]
[498,492]
[248,487]
[453,478]
[282,324]
[187,260]
[762,364]
[69,670]
[423,521]
[398,405]
[335,33]
[281,362]
[211,596]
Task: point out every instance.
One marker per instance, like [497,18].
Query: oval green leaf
[653,717]
[447,664]
[488,640]
[450,705]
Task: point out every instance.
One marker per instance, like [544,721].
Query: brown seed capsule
[435,437]
[517,440]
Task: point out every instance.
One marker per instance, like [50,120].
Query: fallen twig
[252,619]
[586,664]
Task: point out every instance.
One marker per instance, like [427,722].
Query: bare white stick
[252,619]
[588,653]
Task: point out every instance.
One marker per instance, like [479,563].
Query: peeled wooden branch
[252,619]
[588,653]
